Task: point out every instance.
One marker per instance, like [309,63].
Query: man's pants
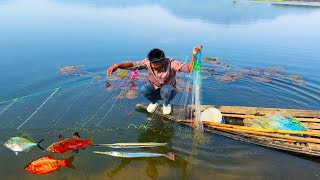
[165,93]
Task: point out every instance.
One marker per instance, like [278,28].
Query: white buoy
[211,114]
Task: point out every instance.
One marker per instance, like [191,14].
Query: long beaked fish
[131,145]
[170,155]
[21,144]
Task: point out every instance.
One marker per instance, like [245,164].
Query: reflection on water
[297,5]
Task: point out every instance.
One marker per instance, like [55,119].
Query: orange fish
[72,144]
[47,165]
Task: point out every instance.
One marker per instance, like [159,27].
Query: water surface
[39,37]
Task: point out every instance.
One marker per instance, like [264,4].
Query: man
[162,77]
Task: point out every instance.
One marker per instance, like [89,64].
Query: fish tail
[38,144]
[91,141]
[170,156]
[69,161]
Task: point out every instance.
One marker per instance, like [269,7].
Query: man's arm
[190,66]
[114,67]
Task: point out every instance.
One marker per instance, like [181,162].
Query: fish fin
[58,169]
[69,161]
[61,138]
[76,134]
[16,152]
[38,144]
[76,151]
[170,156]
[91,141]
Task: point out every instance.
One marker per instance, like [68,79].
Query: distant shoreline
[291,1]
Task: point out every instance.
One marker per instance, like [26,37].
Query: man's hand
[196,49]
[112,69]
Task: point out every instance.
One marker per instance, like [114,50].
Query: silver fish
[135,154]
[132,145]
[21,144]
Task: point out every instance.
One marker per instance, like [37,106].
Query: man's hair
[155,55]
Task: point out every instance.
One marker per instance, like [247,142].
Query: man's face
[158,65]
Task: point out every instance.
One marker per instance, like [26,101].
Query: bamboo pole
[263,130]
[285,142]
[281,141]
[266,138]
[316,120]
[301,139]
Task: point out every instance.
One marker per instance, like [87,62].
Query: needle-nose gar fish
[135,154]
[131,145]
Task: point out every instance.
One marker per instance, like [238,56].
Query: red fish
[72,144]
[47,165]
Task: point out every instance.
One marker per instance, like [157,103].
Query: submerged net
[60,107]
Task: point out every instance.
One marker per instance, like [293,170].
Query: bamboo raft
[238,118]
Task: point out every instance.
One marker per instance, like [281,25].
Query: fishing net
[100,98]
[279,122]
[88,103]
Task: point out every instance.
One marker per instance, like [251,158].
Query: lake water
[277,47]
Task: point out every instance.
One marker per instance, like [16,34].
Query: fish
[170,155]
[72,144]
[48,164]
[21,144]
[132,145]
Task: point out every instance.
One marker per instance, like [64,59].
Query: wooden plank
[240,115]
[268,138]
[237,109]
[300,139]
[295,146]
[292,112]
[264,111]
[315,120]
[314,146]
[313,126]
